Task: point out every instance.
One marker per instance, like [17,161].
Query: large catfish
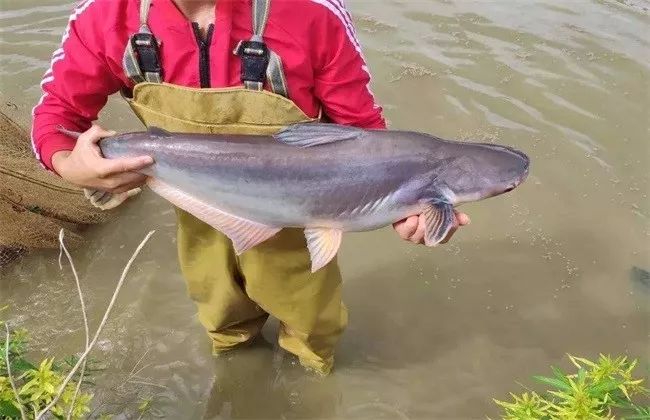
[325,178]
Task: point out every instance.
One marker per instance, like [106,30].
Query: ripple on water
[563,81]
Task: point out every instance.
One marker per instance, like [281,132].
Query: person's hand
[84,165]
[412,229]
[107,201]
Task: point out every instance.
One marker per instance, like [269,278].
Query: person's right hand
[86,167]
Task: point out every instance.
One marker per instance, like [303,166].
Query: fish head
[482,170]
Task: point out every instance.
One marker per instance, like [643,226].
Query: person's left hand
[412,229]
[107,201]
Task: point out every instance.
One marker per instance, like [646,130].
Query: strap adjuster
[147,52]
[255,58]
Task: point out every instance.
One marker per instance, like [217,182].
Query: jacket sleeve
[75,87]
[342,77]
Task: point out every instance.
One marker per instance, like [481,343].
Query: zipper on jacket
[204,53]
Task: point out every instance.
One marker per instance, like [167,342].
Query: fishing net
[35,204]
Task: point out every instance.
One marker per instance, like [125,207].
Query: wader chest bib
[234,294]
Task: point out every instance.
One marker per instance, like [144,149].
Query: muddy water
[433,334]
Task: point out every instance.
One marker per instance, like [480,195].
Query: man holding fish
[239,68]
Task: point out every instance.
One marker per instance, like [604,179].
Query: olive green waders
[236,294]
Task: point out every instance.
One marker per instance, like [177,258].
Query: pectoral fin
[323,244]
[313,134]
[439,219]
[243,233]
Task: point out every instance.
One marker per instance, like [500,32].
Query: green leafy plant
[602,389]
[36,386]
[29,392]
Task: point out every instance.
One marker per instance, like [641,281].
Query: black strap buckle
[255,57]
[147,51]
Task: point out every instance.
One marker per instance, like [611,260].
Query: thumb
[463,219]
[117,166]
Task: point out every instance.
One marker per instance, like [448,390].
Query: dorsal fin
[313,134]
[158,132]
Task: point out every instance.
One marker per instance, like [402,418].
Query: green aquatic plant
[30,392]
[26,389]
[602,389]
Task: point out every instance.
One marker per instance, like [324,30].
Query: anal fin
[244,234]
[323,244]
[439,220]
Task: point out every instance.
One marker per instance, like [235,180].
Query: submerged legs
[234,295]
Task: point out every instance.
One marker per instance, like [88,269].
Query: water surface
[434,334]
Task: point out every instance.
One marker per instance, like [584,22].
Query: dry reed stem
[133,372]
[83,313]
[98,331]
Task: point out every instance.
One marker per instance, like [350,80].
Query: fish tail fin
[74,134]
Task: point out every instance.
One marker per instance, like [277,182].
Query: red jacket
[316,40]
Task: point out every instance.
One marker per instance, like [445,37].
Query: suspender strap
[255,57]
[145,5]
[275,75]
[141,60]
[261,10]
[260,64]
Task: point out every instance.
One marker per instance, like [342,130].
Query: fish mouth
[500,191]
[524,175]
[512,185]
[518,182]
